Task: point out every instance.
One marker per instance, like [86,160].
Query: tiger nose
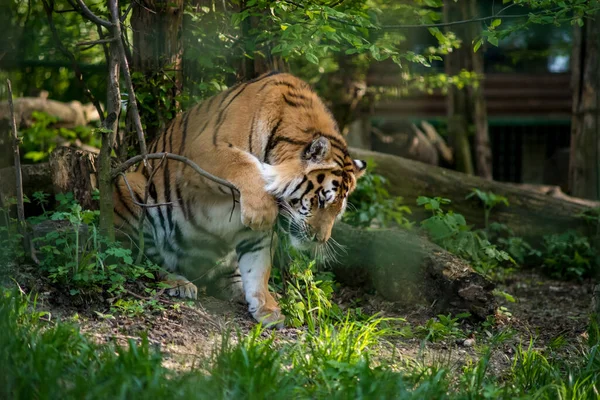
[320,237]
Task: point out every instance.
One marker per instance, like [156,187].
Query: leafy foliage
[450,230]
[371,204]
[518,248]
[489,201]
[569,255]
[49,361]
[442,327]
[307,300]
[77,256]
[41,138]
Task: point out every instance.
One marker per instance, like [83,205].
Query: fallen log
[405,267]
[36,178]
[531,214]
[68,170]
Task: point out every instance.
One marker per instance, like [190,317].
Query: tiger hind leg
[225,281]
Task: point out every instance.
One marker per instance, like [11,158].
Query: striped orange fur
[275,140]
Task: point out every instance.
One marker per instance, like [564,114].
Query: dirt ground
[187,332]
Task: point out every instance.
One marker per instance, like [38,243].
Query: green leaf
[312,58]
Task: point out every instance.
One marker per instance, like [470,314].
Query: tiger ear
[360,167]
[317,150]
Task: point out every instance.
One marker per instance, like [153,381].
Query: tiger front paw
[259,211]
[270,316]
[181,287]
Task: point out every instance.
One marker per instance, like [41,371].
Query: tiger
[277,143]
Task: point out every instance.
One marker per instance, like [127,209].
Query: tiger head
[313,188]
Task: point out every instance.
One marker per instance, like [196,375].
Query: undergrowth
[44,360]
[371,204]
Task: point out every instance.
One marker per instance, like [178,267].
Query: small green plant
[489,200]
[569,256]
[450,230]
[442,327]
[518,248]
[306,299]
[372,204]
[76,256]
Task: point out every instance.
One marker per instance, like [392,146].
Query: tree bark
[584,168]
[457,101]
[406,268]
[158,55]
[531,214]
[74,171]
[483,150]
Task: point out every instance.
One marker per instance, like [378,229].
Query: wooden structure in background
[507,95]
[529,119]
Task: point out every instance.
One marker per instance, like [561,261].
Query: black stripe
[167,186]
[281,139]
[337,173]
[279,83]
[118,214]
[339,160]
[179,239]
[146,210]
[299,185]
[125,203]
[246,246]
[209,103]
[340,145]
[309,187]
[220,119]
[180,199]
[152,192]
[186,119]
[292,103]
[298,96]
[252,125]
[270,140]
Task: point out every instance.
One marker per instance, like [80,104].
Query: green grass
[334,361]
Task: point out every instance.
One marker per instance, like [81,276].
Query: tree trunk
[584,168]
[457,101]
[407,268]
[483,150]
[157,55]
[531,214]
[74,171]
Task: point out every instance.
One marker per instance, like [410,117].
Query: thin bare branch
[48,7]
[86,12]
[95,42]
[132,194]
[27,245]
[114,12]
[143,215]
[155,156]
